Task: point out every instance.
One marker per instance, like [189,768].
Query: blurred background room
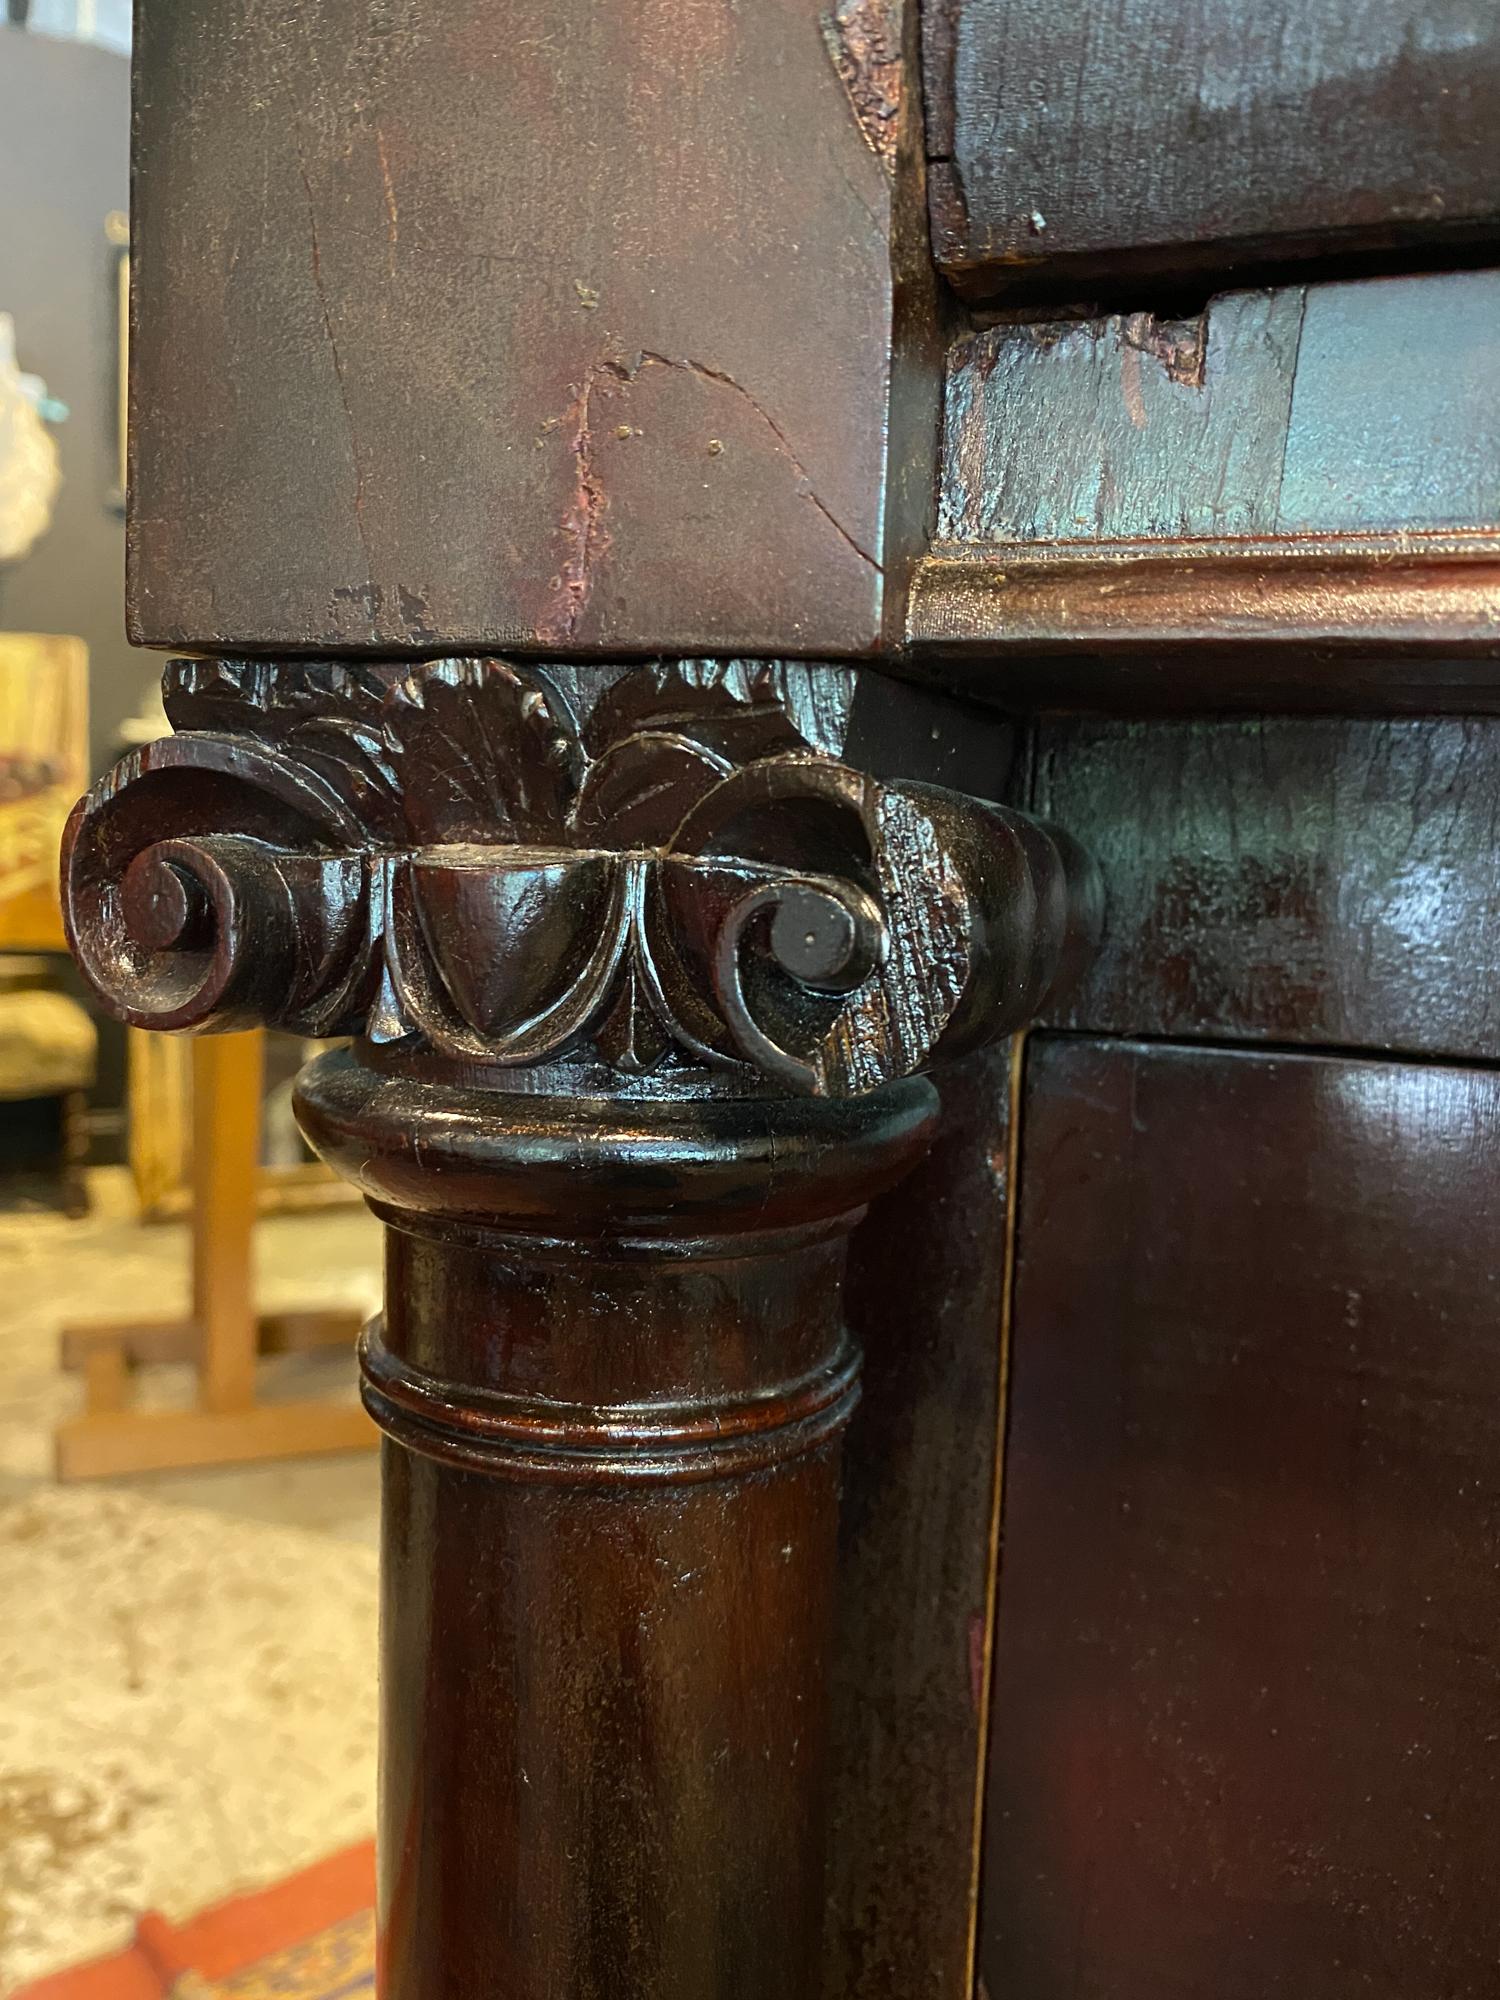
[187,1494]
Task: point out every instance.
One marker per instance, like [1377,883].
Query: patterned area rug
[187,1712]
[312,1938]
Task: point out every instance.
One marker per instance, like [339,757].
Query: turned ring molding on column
[449,862]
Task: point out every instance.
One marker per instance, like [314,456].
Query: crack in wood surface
[808,491]
[325,308]
[583,527]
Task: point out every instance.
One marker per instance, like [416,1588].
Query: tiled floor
[186,1660]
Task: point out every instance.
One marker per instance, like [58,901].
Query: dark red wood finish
[544,326]
[925,1298]
[1244,1724]
[615,1372]
[608,335]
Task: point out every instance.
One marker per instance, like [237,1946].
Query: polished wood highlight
[924,1298]
[625,702]
[1401,620]
[498,864]
[1157,137]
[615,1372]
[1244,1709]
[510,288]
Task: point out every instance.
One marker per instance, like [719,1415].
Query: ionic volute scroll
[660,868]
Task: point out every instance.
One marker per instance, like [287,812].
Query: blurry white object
[148,723]
[106,22]
[29,470]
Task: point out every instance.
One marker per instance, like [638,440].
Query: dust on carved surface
[502,865]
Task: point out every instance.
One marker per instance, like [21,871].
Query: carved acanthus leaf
[487,753]
[325,714]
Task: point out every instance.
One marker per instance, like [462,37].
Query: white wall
[106,22]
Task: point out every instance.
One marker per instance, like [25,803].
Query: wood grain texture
[1244,1701]
[605,1672]
[1313,880]
[1150,135]
[924,1298]
[572,328]
[1123,428]
[1314,469]
[615,1373]
[1322,410]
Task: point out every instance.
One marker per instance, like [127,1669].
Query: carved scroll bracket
[659,870]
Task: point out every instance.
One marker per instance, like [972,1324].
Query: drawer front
[1169,134]
[1244,1734]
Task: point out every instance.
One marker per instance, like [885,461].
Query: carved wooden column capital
[644,965]
[662,869]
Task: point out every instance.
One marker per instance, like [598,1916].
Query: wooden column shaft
[614,1410]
